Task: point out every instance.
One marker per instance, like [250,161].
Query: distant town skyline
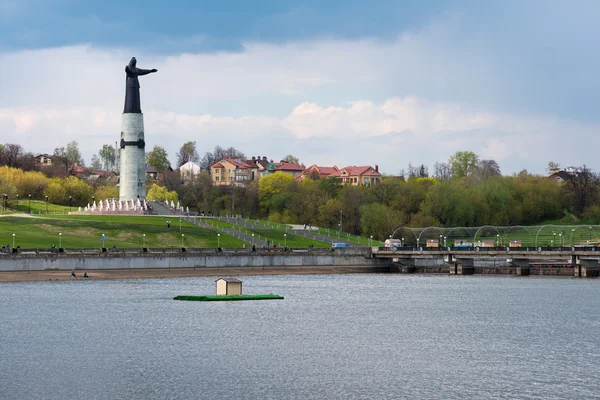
[342,83]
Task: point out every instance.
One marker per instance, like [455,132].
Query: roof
[562,175]
[360,170]
[289,167]
[42,155]
[228,280]
[323,171]
[238,164]
[190,166]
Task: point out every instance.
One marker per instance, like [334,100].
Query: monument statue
[132,92]
[132,180]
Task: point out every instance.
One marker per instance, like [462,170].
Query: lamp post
[70,198]
[102,240]
[29,204]
[180,223]
[253,239]
[60,240]
[553,236]
[144,239]
[560,239]
[572,232]
[285,240]
[402,242]
[370,240]
[46,204]
[498,239]
[218,240]
[14,240]
[444,241]
[17,202]
[182,240]
[341,226]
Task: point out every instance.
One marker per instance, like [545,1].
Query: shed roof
[228,280]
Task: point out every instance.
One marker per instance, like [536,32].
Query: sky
[342,83]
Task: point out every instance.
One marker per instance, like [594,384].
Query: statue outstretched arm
[145,71]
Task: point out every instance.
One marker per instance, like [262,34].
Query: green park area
[70,231]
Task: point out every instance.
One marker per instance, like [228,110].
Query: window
[217,179]
[229,171]
[217,171]
[230,179]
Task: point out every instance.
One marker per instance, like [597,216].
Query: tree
[552,166]
[291,159]
[442,171]
[485,170]
[187,153]
[582,189]
[272,185]
[108,157]
[158,158]
[68,156]
[160,193]
[211,158]
[463,163]
[96,164]
[419,171]
[378,220]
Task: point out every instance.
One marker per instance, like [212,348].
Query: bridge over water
[583,261]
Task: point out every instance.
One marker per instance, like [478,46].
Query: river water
[365,336]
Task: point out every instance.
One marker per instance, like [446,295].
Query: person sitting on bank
[85,275]
[73,274]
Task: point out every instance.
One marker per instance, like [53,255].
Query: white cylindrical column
[132,182]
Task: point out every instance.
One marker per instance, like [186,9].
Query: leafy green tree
[271,185]
[379,220]
[68,156]
[291,159]
[187,153]
[158,158]
[463,163]
[449,204]
[160,193]
[108,157]
[96,164]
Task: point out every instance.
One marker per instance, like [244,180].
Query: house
[228,171]
[290,168]
[560,175]
[362,175]
[79,170]
[151,173]
[188,170]
[315,172]
[229,287]
[43,160]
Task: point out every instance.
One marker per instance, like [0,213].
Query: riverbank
[32,276]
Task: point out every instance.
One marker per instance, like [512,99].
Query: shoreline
[144,273]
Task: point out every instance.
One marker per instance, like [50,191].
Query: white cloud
[321,100]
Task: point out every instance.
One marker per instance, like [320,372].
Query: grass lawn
[121,231]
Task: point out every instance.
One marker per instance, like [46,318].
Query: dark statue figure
[132,93]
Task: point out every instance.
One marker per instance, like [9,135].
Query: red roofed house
[228,171]
[363,175]
[290,168]
[315,172]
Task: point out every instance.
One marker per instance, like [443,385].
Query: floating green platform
[231,298]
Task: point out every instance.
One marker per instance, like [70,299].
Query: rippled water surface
[333,337]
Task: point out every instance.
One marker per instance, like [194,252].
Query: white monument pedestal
[132,181]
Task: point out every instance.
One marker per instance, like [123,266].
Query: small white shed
[229,287]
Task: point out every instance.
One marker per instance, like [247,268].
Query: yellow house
[43,160]
[363,175]
[228,171]
[229,287]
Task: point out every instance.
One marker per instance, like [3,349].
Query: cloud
[418,98]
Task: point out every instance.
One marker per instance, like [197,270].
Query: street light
[17,202]
[29,204]
[402,242]
[70,198]
[218,240]
[341,226]
[498,239]
[60,240]
[182,240]
[144,239]
[370,240]
[253,239]
[46,204]
[560,237]
[444,241]
[572,232]
[14,240]
[102,240]
[180,223]
[285,240]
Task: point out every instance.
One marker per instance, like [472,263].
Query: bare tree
[442,171]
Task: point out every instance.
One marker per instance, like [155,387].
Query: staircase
[160,209]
